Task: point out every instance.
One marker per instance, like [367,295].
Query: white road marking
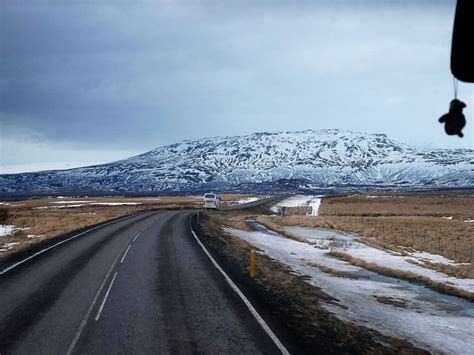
[105,297]
[125,254]
[252,309]
[4,271]
[138,234]
[94,301]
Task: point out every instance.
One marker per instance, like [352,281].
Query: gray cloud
[132,76]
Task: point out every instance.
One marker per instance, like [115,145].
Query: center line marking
[125,254]
[105,297]
[138,234]
[92,305]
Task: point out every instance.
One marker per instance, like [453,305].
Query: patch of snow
[66,202]
[7,246]
[6,229]
[9,204]
[116,203]
[295,201]
[424,256]
[469,220]
[246,200]
[299,201]
[447,217]
[70,206]
[33,236]
[314,204]
[430,319]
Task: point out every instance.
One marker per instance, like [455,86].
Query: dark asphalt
[140,285]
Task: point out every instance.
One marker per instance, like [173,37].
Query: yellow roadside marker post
[252,263]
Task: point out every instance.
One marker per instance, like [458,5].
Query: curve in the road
[141,284]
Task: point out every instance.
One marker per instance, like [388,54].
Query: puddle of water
[257,227]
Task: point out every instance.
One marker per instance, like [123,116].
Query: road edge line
[249,305]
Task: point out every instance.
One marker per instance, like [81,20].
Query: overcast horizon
[84,83]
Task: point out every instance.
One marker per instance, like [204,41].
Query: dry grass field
[431,222]
[35,220]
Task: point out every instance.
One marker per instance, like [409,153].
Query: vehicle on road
[212,201]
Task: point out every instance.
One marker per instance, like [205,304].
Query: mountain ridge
[301,160]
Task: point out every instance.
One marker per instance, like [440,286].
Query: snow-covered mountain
[287,161]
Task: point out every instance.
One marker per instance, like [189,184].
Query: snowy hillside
[287,161]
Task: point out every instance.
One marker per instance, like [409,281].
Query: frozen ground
[7,245]
[75,204]
[246,200]
[300,200]
[6,229]
[435,321]
[384,258]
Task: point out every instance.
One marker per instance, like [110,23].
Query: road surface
[142,285]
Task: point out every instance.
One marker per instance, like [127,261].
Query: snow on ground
[7,245]
[6,229]
[423,256]
[447,217]
[314,204]
[116,203]
[299,201]
[33,236]
[384,258]
[429,319]
[69,204]
[246,200]
[9,204]
[66,202]
[469,220]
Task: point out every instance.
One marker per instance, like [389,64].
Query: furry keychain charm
[454,121]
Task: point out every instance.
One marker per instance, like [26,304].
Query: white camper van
[212,201]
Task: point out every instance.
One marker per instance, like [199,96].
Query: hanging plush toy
[454,121]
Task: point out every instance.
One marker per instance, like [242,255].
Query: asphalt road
[140,285]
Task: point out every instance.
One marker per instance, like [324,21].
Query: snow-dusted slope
[282,161]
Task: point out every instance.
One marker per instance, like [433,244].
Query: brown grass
[397,302]
[458,204]
[329,270]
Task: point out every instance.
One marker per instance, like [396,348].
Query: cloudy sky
[85,82]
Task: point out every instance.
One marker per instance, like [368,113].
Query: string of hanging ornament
[455,86]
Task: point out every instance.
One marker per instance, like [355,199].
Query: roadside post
[252,263]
